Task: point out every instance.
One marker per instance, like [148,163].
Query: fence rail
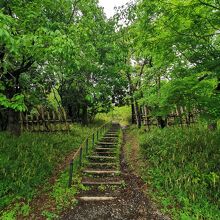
[46,122]
[179,116]
[84,149]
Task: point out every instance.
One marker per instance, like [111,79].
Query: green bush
[28,160]
[183,170]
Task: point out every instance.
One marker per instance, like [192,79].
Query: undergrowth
[63,196]
[121,115]
[182,168]
[29,160]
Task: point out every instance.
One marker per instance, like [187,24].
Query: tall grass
[183,169]
[28,160]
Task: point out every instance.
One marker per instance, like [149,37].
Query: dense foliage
[182,170]
[62,47]
[164,55]
[174,48]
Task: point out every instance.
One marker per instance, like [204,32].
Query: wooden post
[103,129]
[70,174]
[37,123]
[80,157]
[34,122]
[42,119]
[142,114]
[62,120]
[59,121]
[26,121]
[53,121]
[93,140]
[47,123]
[180,116]
[56,121]
[65,119]
[145,115]
[137,114]
[21,121]
[148,122]
[31,123]
[87,145]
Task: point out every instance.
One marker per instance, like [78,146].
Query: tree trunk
[145,115]
[179,113]
[138,115]
[70,111]
[85,114]
[133,119]
[3,120]
[13,125]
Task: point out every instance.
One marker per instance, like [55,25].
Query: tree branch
[74,9]
[209,5]
[146,61]
[24,67]
[2,55]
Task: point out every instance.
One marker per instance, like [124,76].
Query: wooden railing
[84,149]
[181,117]
[45,123]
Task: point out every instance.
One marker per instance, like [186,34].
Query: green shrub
[183,170]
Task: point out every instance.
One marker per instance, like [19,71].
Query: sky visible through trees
[110,4]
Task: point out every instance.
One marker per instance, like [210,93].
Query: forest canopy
[163,55]
[62,47]
[175,47]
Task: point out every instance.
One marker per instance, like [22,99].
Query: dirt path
[131,202]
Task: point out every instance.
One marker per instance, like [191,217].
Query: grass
[182,169]
[63,196]
[29,160]
[120,114]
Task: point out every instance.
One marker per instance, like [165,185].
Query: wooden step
[106,143]
[111,133]
[101,157]
[107,165]
[95,183]
[96,198]
[109,153]
[107,139]
[101,172]
[111,136]
[105,191]
[104,149]
[113,147]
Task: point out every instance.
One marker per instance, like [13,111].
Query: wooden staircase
[102,170]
